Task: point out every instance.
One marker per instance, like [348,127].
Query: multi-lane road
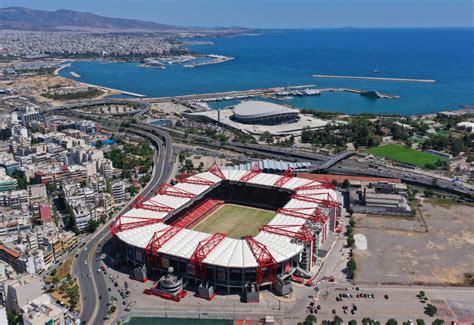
[94,291]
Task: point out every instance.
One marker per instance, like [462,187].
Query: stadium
[229,230]
[266,113]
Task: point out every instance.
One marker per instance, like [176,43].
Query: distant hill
[31,19]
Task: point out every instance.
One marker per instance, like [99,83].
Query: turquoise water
[282,58]
[176,321]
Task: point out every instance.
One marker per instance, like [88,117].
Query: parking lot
[401,303]
[435,248]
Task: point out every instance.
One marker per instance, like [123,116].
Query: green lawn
[235,221]
[405,155]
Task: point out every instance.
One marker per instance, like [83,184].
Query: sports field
[235,221]
[405,155]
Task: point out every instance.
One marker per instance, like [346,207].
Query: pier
[251,93]
[356,91]
[215,60]
[75,74]
[373,78]
[56,72]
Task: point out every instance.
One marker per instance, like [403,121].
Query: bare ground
[436,247]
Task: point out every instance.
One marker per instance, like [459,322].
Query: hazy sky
[276,13]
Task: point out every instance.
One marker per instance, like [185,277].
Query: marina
[257,69]
[373,78]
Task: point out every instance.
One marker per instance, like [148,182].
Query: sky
[275,13]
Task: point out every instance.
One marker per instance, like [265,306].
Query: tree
[351,267]
[74,296]
[14,318]
[50,188]
[346,183]
[21,179]
[55,280]
[353,322]
[112,309]
[431,310]
[92,225]
[132,190]
[352,222]
[267,137]
[310,319]
[428,192]
[337,320]
[420,322]
[438,322]
[391,321]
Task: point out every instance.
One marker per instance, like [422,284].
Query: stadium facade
[157,233]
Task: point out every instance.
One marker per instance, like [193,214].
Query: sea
[290,57]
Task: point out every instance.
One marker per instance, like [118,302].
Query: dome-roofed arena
[229,229]
[260,112]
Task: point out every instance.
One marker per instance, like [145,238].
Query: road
[93,309]
[347,166]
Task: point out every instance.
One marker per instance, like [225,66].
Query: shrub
[431,310]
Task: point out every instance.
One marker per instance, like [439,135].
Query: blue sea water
[281,58]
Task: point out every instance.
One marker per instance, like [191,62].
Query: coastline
[113,90]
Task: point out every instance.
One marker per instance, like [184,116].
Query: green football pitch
[404,155]
[235,221]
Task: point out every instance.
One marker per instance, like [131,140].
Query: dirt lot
[37,85]
[434,248]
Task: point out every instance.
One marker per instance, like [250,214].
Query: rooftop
[256,109]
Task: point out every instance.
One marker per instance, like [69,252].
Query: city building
[19,293]
[3,315]
[41,311]
[82,213]
[28,115]
[382,198]
[118,191]
[7,183]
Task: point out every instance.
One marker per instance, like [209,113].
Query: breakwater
[373,78]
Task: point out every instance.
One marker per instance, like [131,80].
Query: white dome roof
[258,109]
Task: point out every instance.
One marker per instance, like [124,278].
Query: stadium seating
[195,215]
